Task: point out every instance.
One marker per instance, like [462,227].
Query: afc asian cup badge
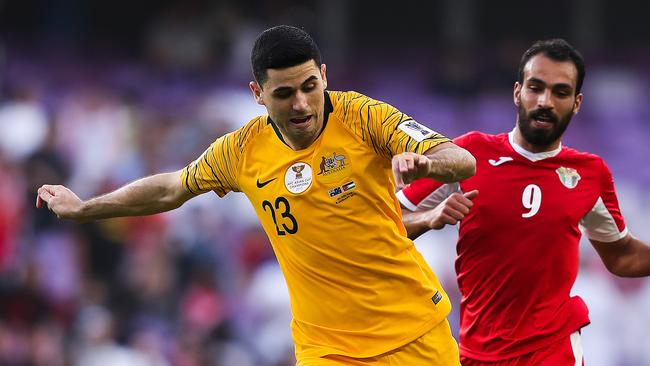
[298,177]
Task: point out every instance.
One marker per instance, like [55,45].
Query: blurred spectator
[23,123]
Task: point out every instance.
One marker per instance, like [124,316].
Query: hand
[60,200]
[408,167]
[451,210]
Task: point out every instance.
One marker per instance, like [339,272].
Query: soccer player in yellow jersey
[318,170]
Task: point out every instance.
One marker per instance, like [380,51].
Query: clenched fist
[408,167]
[60,200]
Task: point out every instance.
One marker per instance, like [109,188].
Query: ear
[516,93]
[257,92]
[577,103]
[323,75]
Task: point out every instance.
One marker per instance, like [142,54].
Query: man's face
[546,101]
[295,101]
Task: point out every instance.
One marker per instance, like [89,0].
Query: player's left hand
[408,167]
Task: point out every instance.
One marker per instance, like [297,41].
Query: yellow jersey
[357,284]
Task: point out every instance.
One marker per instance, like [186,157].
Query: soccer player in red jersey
[518,238]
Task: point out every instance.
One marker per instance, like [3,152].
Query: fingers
[471,194]
[45,193]
[457,206]
[453,209]
[399,182]
[409,166]
[406,164]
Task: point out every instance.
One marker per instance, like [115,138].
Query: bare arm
[450,163]
[626,257]
[445,163]
[150,195]
[448,212]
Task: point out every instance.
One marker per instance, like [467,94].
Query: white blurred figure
[267,300]
[97,347]
[97,134]
[23,124]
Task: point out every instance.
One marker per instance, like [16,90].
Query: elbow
[467,166]
[620,269]
[615,270]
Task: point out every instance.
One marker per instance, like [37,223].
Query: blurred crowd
[200,285]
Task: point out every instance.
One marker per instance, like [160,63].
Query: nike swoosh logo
[262,184]
[502,159]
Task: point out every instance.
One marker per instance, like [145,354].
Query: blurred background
[94,94]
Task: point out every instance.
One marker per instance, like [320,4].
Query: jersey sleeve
[216,169]
[389,131]
[605,222]
[425,194]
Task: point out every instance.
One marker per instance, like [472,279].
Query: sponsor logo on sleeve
[417,131]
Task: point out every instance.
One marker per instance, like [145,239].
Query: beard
[540,137]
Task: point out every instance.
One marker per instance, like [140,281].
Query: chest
[513,189]
[325,185]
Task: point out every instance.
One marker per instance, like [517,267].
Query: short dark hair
[280,47]
[558,50]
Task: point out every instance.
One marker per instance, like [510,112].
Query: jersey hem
[480,356]
[318,352]
[405,201]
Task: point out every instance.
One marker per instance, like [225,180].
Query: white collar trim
[531,155]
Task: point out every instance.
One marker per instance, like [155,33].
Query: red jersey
[518,246]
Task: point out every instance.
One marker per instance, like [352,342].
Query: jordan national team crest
[298,177]
[568,176]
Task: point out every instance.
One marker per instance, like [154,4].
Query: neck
[298,144]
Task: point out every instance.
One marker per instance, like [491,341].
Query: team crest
[331,164]
[298,177]
[568,176]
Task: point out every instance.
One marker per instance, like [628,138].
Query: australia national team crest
[332,166]
[568,176]
[298,177]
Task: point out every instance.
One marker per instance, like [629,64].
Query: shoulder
[345,102]
[346,97]
[247,134]
[477,139]
[582,156]
[587,163]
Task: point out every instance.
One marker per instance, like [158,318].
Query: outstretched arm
[445,163]
[150,195]
[448,212]
[626,257]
